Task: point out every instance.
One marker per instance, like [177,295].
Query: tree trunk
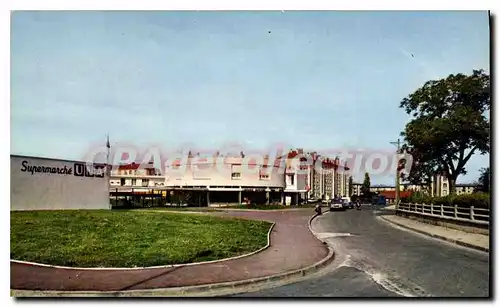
[451,183]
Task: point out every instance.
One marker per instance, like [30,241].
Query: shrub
[478,200]
[443,200]
[418,198]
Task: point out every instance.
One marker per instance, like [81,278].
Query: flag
[107,142]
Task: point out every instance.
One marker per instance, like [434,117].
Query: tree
[365,187]
[484,180]
[448,125]
[351,186]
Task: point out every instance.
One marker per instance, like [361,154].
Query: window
[122,181]
[263,173]
[236,171]
[145,182]
[134,182]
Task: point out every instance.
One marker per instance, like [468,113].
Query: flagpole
[108,170]
[107,153]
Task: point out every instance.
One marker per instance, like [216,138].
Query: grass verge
[95,238]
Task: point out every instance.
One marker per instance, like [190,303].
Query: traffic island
[294,251]
[127,239]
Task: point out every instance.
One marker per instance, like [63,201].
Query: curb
[200,290]
[458,242]
[152,267]
[258,210]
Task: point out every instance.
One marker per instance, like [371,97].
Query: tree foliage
[351,186]
[484,180]
[365,187]
[448,125]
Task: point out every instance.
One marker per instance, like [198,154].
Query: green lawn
[129,238]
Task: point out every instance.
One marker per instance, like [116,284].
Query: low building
[133,176]
[221,180]
[38,183]
[439,187]
[390,196]
[466,188]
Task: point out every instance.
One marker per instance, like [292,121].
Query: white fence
[479,216]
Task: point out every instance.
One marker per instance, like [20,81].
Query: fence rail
[465,214]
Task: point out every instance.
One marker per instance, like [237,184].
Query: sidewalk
[292,247]
[472,240]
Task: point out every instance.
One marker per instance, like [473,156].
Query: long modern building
[218,179]
[230,179]
[215,180]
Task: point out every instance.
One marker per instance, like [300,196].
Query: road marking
[384,280]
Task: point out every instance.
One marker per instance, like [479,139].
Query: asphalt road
[376,259]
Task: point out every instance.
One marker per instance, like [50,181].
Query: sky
[314,80]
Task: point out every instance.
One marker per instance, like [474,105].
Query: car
[347,202]
[336,204]
[379,200]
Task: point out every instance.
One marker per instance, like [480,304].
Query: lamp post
[398,144]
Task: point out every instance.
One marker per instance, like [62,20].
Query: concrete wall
[44,184]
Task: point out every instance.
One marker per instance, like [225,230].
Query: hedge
[478,200]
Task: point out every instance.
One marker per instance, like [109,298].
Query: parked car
[336,204]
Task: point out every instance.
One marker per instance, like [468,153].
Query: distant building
[439,187]
[465,188]
[356,189]
[327,178]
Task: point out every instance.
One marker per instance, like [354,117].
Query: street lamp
[398,144]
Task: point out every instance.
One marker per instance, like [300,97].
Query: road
[376,259]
